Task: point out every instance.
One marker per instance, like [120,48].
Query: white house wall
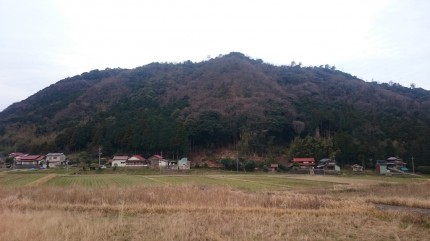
[119,163]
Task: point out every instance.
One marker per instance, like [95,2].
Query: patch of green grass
[211,180]
[118,170]
[131,171]
[95,181]
[247,182]
[279,180]
[181,179]
[242,182]
[18,179]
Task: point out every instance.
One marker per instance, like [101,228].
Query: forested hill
[227,101]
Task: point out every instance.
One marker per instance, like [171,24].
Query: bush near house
[232,165]
[283,168]
[423,169]
[250,166]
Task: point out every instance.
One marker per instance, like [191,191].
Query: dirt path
[42,180]
[385,207]
[335,179]
[155,180]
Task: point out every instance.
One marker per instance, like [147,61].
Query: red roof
[156,156]
[138,157]
[31,158]
[120,158]
[304,161]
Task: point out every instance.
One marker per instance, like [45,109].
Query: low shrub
[423,169]
[250,166]
[230,164]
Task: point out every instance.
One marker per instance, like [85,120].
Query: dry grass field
[210,207]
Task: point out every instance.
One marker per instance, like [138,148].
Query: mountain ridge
[186,107]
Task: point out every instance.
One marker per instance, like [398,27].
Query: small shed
[274,167]
[162,163]
[184,164]
[381,167]
[357,168]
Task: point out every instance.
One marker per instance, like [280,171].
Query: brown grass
[192,212]
[183,196]
[415,194]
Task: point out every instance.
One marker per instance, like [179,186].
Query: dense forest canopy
[231,100]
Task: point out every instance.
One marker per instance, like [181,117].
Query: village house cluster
[155,161]
[53,160]
[390,166]
[307,165]
[50,160]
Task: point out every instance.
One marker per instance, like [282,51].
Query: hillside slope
[227,101]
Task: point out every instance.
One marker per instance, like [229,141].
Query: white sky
[44,41]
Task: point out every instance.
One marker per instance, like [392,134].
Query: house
[158,161]
[274,167]
[119,161]
[328,166]
[184,164]
[396,164]
[29,161]
[136,161]
[55,159]
[304,163]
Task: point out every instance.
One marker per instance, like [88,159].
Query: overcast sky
[44,41]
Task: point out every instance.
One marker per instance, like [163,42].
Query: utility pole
[413,165]
[100,153]
[237,158]
[237,162]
